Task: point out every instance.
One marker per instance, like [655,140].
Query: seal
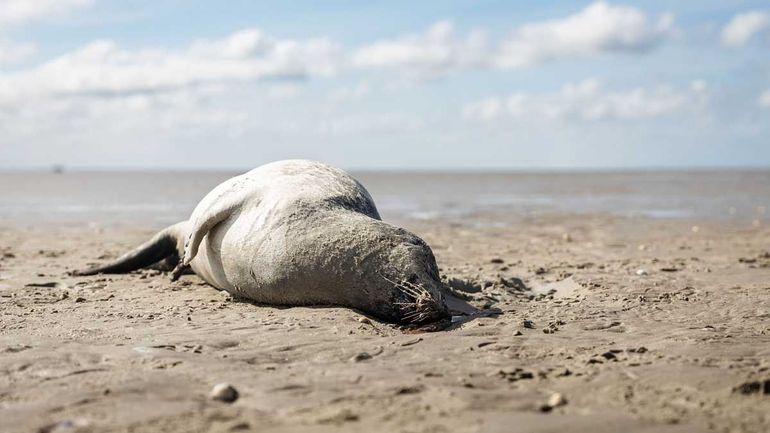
[299,232]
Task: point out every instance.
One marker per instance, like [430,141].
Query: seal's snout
[420,303]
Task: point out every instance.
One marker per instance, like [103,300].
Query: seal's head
[361,262]
[415,285]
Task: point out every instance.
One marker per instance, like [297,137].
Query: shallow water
[159,198]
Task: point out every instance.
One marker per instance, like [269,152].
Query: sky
[466,85]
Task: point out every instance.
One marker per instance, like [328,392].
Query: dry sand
[639,325]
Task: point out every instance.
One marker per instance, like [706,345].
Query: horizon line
[63,169]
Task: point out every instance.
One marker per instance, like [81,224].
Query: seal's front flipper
[216,207]
[163,246]
[201,226]
[179,270]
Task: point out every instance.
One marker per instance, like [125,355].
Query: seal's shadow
[462,312]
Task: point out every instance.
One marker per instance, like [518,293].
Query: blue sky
[384,85]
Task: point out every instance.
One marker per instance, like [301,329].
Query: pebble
[224,392]
[641,272]
[528,324]
[554,401]
[550,329]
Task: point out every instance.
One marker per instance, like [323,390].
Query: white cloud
[13,52]
[743,27]
[102,92]
[598,28]
[351,92]
[16,12]
[283,91]
[102,68]
[764,99]
[589,101]
[427,54]
[485,109]
[361,123]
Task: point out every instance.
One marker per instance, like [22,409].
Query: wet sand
[639,325]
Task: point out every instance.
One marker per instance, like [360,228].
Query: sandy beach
[578,193]
[606,324]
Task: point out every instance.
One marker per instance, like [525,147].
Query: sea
[158,198]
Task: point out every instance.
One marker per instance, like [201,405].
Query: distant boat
[57,169]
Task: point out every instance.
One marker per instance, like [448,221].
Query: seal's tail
[162,249]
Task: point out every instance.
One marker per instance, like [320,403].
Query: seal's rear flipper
[162,249]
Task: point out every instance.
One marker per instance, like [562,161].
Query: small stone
[641,272]
[497,261]
[364,320]
[528,324]
[80,299]
[517,333]
[550,329]
[224,392]
[566,237]
[556,400]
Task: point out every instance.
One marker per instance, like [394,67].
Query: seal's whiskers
[422,304]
